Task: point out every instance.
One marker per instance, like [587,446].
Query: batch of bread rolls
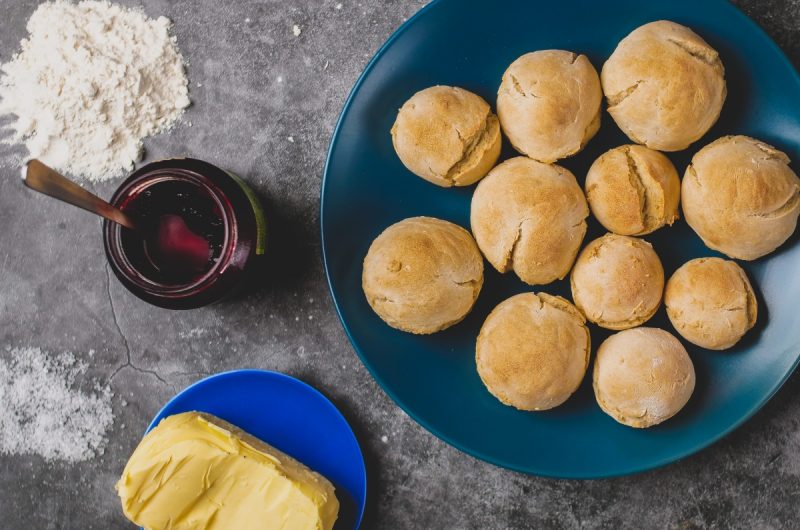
[664,87]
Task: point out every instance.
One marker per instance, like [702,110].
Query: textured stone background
[254,84]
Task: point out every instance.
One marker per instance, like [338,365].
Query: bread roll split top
[711,303]
[741,197]
[633,190]
[533,350]
[642,376]
[422,274]
[447,135]
[549,104]
[529,217]
[665,86]
[618,281]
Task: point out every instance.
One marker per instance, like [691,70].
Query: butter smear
[196,471]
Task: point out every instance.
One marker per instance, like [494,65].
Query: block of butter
[196,471]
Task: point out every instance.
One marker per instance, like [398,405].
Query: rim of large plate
[721,4]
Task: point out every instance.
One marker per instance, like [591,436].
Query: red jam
[200,231]
[176,251]
[179,233]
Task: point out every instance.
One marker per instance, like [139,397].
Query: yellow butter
[195,471]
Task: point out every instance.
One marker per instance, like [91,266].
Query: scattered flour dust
[193,333]
[91,81]
[43,412]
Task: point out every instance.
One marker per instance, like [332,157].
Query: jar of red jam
[200,233]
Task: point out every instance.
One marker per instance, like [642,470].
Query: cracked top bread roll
[741,197]
[529,217]
[665,86]
[633,190]
[422,274]
[447,135]
[642,376]
[533,351]
[618,281]
[711,303]
[549,104]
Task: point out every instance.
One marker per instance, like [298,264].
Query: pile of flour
[90,82]
[43,413]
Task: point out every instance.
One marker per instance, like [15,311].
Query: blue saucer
[469,43]
[291,416]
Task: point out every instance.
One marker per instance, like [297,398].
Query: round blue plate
[291,416]
[469,43]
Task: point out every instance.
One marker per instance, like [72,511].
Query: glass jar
[215,205]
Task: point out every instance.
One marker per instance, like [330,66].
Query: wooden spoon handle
[41,178]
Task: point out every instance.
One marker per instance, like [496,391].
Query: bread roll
[633,190]
[549,104]
[741,197]
[533,351]
[665,86]
[447,135]
[422,274]
[711,303]
[618,281]
[529,217]
[642,376]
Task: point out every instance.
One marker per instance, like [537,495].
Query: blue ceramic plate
[291,416]
[469,43]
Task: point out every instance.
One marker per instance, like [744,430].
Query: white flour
[42,411]
[90,82]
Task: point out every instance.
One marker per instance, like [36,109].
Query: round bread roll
[741,197]
[665,86]
[633,190]
[618,281]
[533,351]
[529,217]
[549,104]
[711,303]
[642,376]
[447,135]
[422,274]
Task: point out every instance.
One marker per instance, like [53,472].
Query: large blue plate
[433,378]
[291,416]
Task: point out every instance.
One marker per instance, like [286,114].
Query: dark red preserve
[200,233]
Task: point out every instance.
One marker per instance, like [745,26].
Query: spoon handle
[41,178]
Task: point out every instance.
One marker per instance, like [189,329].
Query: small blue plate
[469,43]
[291,416]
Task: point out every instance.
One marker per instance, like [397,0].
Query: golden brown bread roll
[618,281]
[422,274]
[711,303]
[741,197]
[533,351]
[642,376]
[633,190]
[549,104]
[447,135]
[665,86]
[529,217]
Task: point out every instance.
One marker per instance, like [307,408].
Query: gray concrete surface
[254,84]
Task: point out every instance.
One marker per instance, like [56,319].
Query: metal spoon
[45,180]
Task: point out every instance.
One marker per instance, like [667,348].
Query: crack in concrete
[191,374]
[696,505]
[128,363]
